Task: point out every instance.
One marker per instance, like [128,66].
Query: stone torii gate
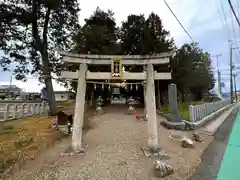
[116,63]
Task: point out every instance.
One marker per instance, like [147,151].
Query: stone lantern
[131,103]
[99,103]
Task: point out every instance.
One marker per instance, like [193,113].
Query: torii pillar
[79,109]
[151,110]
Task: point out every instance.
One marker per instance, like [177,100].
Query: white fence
[18,110]
[198,112]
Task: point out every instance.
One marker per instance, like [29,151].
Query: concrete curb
[213,155]
[233,111]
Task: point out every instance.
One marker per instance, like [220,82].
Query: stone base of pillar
[153,144]
[158,153]
[143,118]
[70,151]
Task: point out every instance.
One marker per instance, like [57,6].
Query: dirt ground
[114,153]
[22,139]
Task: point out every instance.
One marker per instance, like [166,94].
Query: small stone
[146,152]
[186,142]
[176,135]
[143,118]
[196,137]
[81,151]
[161,169]
[32,157]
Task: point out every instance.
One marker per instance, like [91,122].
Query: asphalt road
[212,157]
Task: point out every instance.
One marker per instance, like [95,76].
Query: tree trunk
[182,95]
[42,46]
[49,87]
[51,96]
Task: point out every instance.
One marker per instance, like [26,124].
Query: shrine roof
[161,58]
[123,57]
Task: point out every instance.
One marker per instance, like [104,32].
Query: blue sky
[204,20]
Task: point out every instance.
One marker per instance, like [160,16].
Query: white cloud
[184,9]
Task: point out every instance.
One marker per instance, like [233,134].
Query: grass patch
[8,127]
[24,137]
[23,142]
[65,103]
[18,137]
[183,109]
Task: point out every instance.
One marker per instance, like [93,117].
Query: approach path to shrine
[113,153]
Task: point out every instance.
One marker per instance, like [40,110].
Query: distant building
[64,95]
[10,91]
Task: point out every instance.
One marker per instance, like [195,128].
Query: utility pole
[10,89]
[235,85]
[231,68]
[218,73]
[231,73]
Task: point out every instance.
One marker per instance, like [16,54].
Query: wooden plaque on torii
[116,67]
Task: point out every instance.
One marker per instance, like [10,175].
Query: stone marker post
[173,103]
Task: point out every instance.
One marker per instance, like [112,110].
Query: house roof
[8,86]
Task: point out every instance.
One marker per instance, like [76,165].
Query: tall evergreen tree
[145,36]
[192,71]
[97,36]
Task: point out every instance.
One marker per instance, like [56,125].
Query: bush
[23,142]
[8,129]
[183,109]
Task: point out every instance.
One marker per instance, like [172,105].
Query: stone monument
[174,120]
[173,104]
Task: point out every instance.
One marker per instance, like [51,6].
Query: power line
[233,11]
[178,20]
[226,22]
[238,9]
[235,35]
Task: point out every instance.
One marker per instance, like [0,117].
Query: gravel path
[113,153]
